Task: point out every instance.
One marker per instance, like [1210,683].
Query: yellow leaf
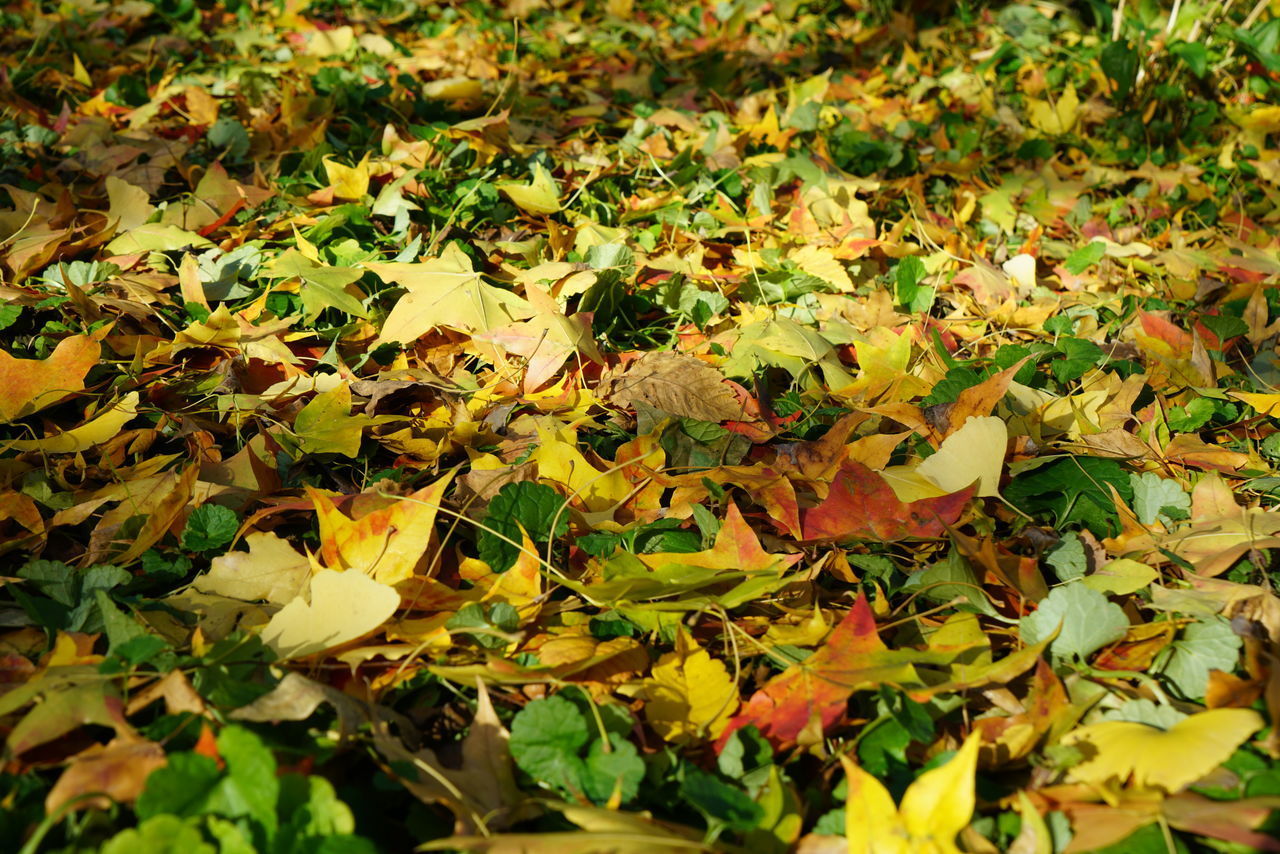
[691,695]
[936,807]
[326,425]
[871,822]
[940,802]
[385,542]
[29,385]
[344,606]
[974,453]
[1057,117]
[1265,404]
[348,182]
[453,89]
[1165,760]
[1121,577]
[105,426]
[822,264]
[539,196]
[445,291]
[78,71]
[559,460]
[270,570]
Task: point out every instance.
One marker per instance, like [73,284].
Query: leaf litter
[607,426]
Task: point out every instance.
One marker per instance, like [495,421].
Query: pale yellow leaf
[538,196]
[822,264]
[343,606]
[1167,760]
[972,454]
[1121,577]
[271,570]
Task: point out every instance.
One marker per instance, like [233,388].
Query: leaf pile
[630,426]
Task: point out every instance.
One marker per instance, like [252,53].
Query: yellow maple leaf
[342,607]
[972,454]
[385,542]
[348,182]
[538,196]
[444,291]
[936,807]
[1165,760]
[822,264]
[690,694]
[1056,117]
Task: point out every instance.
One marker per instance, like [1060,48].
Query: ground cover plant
[631,426]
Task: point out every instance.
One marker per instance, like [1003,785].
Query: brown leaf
[117,770]
[682,385]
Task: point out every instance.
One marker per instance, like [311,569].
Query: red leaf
[861,504]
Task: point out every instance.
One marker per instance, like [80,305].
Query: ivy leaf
[210,527]
[1086,621]
[536,507]
[1204,646]
[1085,257]
[719,801]
[546,737]
[1156,497]
[620,768]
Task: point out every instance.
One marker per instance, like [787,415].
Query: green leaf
[1156,497]
[1068,558]
[160,834]
[250,787]
[9,315]
[1193,416]
[533,506]
[1088,621]
[1085,257]
[719,801]
[621,767]
[1194,54]
[1078,356]
[210,527]
[907,277]
[121,628]
[322,286]
[1225,326]
[182,787]
[1075,490]
[546,737]
[1203,646]
[950,579]
[1119,62]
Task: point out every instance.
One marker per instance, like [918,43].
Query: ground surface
[634,426]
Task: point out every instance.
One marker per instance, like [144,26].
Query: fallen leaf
[341,607]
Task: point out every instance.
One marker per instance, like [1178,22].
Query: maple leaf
[862,504]
[29,385]
[935,807]
[445,291]
[386,538]
[807,698]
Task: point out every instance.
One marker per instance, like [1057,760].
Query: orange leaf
[29,385]
[861,504]
[809,697]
